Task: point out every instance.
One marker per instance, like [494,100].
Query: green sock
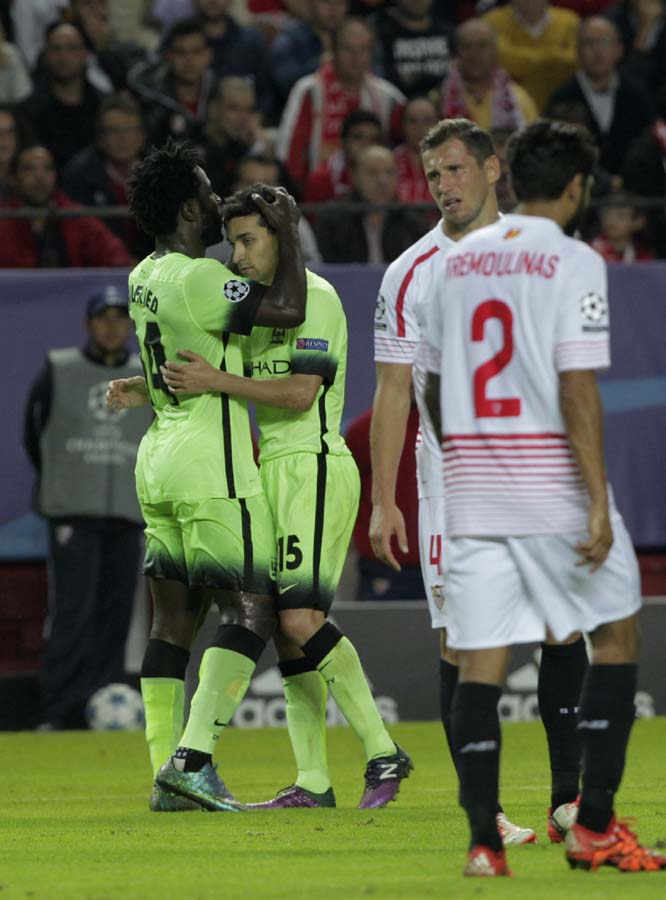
[224,677]
[306,720]
[343,674]
[164,702]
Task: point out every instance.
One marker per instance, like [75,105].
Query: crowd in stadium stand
[331,96]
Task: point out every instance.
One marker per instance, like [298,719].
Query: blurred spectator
[373,237]
[13,135]
[97,176]
[318,104]
[174,90]
[48,242]
[31,18]
[297,50]
[259,168]
[506,199]
[622,237]
[84,455]
[642,27]
[166,12]
[644,172]
[537,45]
[478,88]
[378,581]
[415,47]
[237,49]
[63,106]
[110,59]
[15,83]
[232,131]
[332,180]
[418,117]
[617,108]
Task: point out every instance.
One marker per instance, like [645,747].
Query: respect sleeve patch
[312,344]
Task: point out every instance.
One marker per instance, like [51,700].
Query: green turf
[74,823]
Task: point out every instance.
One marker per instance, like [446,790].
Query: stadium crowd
[335,94]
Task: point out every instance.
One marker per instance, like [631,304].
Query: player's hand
[197,377]
[595,549]
[127,393]
[384,523]
[281,212]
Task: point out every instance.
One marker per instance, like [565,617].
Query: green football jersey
[199,446]
[317,347]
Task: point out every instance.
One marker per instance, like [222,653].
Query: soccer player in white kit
[534,543]
[462,170]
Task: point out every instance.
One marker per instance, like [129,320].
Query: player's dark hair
[242,204]
[476,140]
[358,117]
[546,155]
[159,185]
[182,28]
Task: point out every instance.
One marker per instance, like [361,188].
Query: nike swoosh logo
[219,724]
[288,588]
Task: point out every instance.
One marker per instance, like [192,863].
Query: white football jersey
[400,321]
[517,303]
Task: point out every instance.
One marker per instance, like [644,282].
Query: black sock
[164,660]
[195,760]
[477,739]
[606,717]
[448,681]
[561,675]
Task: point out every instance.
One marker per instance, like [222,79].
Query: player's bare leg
[337,661]
[226,669]
[177,614]
[561,675]
[606,718]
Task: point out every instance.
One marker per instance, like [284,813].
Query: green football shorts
[314,501]
[219,543]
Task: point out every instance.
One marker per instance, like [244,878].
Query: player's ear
[190,210]
[575,187]
[493,169]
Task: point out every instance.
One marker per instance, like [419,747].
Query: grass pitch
[74,823]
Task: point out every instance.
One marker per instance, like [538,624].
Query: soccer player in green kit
[312,486]
[209,530]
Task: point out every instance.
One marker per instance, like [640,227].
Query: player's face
[584,188]
[462,188]
[211,210]
[110,330]
[255,248]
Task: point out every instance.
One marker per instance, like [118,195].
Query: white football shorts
[431,554]
[508,590]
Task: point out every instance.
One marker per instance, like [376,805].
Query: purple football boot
[294,797]
[382,778]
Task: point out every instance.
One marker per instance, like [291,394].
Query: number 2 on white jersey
[484,406]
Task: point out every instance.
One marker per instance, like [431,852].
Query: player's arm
[390,411]
[283,304]
[127,393]
[583,418]
[296,392]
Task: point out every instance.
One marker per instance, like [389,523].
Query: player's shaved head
[545,156]
[159,186]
